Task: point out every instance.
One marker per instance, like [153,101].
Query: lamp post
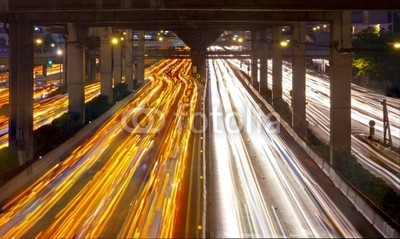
[114,41]
[59,53]
[39,42]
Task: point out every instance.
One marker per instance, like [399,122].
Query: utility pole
[386,125]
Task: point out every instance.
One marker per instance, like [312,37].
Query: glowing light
[39,41]
[284,43]
[396,45]
[114,40]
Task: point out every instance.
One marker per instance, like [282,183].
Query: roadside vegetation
[373,188]
[377,62]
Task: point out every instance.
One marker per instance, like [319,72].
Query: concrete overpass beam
[21,88]
[105,64]
[263,62]
[277,64]
[76,71]
[255,45]
[139,58]
[299,78]
[340,87]
[199,41]
[129,60]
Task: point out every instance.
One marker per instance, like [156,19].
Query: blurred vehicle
[40,81]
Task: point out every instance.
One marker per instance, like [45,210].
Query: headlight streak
[90,212]
[366,106]
[328,220]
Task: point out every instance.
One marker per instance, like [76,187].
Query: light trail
[124,181]
[47,109]
[366,106]
[264,188]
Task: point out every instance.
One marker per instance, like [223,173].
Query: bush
[96,107]
[120,91]
[49,137]
[8,165]
[374,188]
[45,139]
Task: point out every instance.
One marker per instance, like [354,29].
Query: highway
[260,188]
[366,105]
[126,180]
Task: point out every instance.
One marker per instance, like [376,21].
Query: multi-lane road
[260,187]
[366,106]
[128,179]
[141,174]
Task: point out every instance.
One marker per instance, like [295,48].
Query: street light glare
[59,52]
[284,43]
[39,41]
[397,45]
[114,40]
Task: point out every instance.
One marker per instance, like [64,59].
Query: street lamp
[284,43]
[114,40]
[59,53]
[39,42]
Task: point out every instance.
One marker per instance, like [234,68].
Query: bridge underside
[183,14]
[21,5]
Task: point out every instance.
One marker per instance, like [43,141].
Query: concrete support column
[299,78]
[139,58]
[199,60]
[277,64]
[21,88]
[117,63]
[254,57]
[340,73]
[129,60]
[263,62]
[91,68]
[44,70]
[76,71]
[123,70]
[105,64]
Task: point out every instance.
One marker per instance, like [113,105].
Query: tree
[376,58]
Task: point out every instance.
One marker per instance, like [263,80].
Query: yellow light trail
[136,166]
